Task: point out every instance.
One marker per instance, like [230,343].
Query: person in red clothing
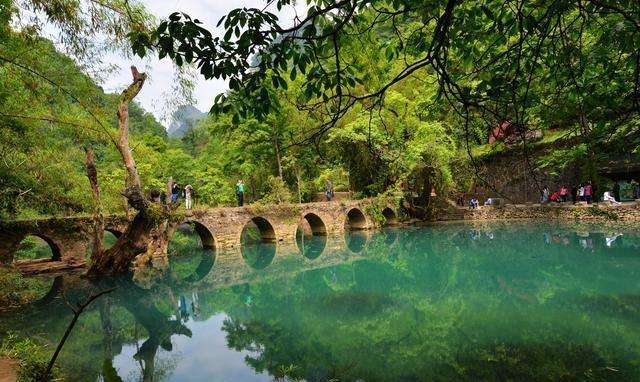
[588,192]
[564,194]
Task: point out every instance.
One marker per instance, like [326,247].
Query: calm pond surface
[491,302]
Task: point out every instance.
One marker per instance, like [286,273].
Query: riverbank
[625,212]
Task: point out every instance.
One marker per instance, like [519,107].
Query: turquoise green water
[517,301]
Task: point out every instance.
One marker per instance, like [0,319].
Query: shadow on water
[258,243]
[192,267]
[390,236]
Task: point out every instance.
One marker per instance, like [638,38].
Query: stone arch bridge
[219,228]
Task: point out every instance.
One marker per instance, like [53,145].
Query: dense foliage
[376,96]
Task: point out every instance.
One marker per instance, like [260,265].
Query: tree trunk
[276,145]
[147,235]
[147,232]
[298,176]
[98,217]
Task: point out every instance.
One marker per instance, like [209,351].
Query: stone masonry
[219,228]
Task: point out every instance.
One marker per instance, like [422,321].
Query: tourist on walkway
[608,198]
[581,193]
[574,194]
[544,197]
[564,194]
[329,192]
[635,189]
[473,203]
[588,192]
[240,192]
[188,193]
[175,193]
[616,191]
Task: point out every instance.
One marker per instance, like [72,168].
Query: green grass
[33,247]
[32,358]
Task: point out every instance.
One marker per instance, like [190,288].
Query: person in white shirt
[188,201]
[608,198]
[581,193]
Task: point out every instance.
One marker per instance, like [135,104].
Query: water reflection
[356,240]
[259,255]
[310,246]
[457,302]
[191,254]
[390,236]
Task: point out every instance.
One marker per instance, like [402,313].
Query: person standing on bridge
[175,193]
[329,193]
[240,192]
[188,194]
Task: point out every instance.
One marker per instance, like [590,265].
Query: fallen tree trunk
[147,233]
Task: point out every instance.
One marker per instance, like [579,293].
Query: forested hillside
[49,111]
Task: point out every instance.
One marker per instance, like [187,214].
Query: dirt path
[8,370]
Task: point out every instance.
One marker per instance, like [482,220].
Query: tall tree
[148,231]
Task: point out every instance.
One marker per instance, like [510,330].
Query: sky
[161,72]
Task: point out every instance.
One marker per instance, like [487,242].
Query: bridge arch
[199,261]
[355,220]
[206,237]
[204,233]
[258,242]
[56,253]
[315,224]
[389,216]
[311,236]
[265,231]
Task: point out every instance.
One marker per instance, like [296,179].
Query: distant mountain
[183,119]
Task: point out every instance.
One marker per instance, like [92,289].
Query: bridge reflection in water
[267,260]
